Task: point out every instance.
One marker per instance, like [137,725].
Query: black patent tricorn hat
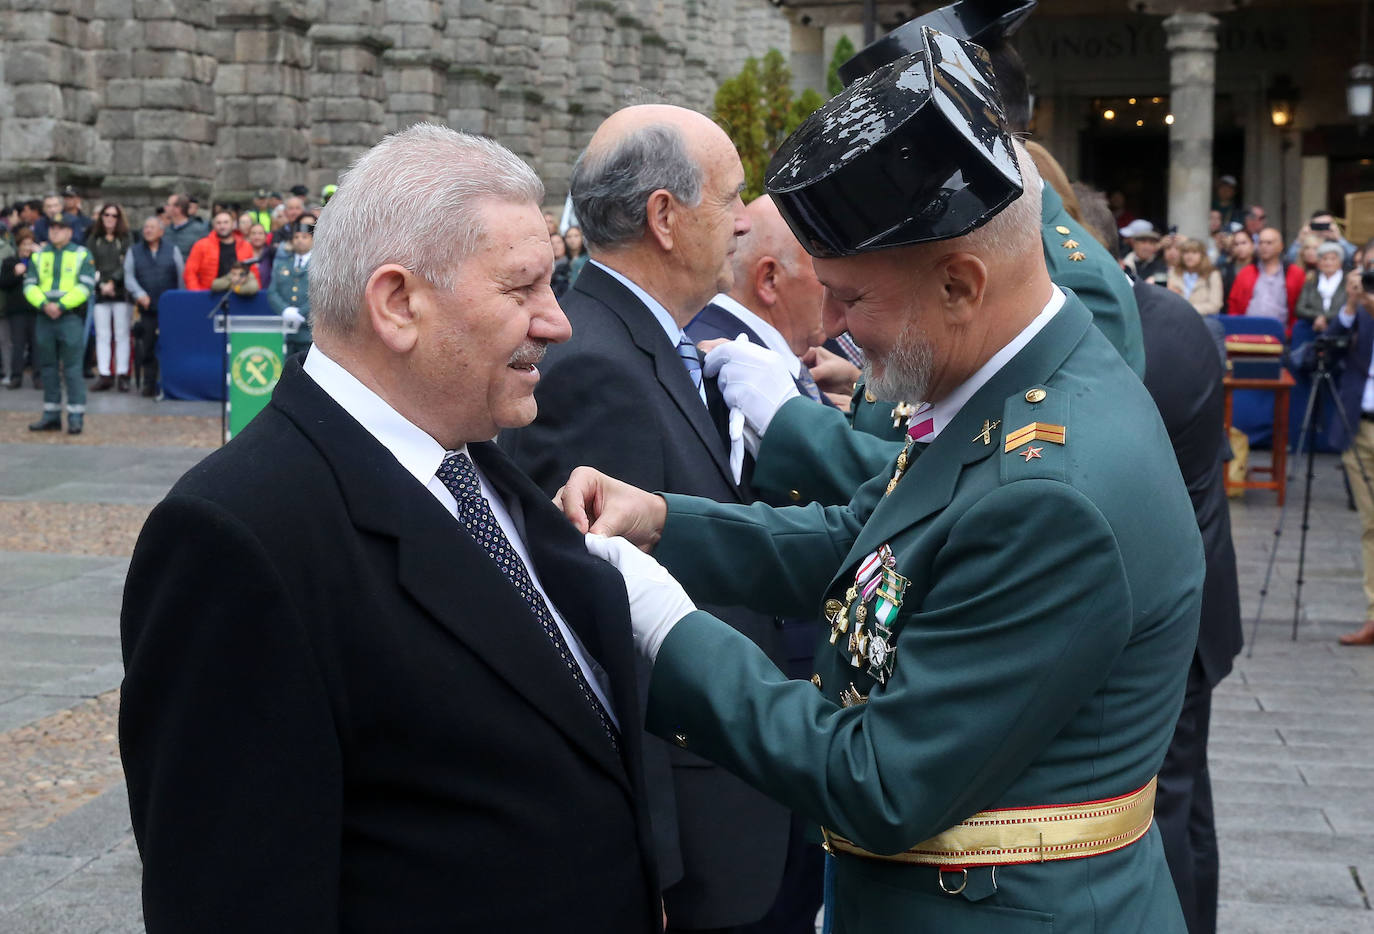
[983,22]
[916,151]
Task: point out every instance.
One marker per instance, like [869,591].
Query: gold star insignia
[1070,244]
[1031,453]
[1077,257]
[1062,230]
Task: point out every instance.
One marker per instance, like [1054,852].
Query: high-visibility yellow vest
[65,276]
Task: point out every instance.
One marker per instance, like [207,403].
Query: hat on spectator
[261,193]
[70,192]
[1227,180]
[60,220]
[1139,228]
[916,151]
[300,191]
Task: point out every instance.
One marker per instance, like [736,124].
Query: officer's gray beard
[906,369]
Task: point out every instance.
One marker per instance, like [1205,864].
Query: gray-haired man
[657,193]
[373,679]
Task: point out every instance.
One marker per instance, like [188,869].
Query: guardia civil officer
[58,284]
[1009,610]
[810,454]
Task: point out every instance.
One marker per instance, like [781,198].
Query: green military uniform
[1046,602]
[65,276]
[290,288]
[810,455]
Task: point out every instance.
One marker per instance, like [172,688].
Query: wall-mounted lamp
[1283,99]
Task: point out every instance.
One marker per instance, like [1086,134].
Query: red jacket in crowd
[202,265]
[1244,287]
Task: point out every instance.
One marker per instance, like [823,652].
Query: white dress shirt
[421,456]
[1326,287]
[772,338]
[676,335]
[943,412]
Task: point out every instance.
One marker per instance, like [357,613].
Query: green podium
[254,353]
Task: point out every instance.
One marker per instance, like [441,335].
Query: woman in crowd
[245,223]
[1195,279]
[17,316]
[577,252]
[1326,289]
[1307,254]
[559,282]
[264,253]
[108,243]
[1242,254]
[1169,249]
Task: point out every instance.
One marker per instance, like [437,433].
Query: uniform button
[680,739]
[869,397]
[1035,395]
[795,495]
[816,680]
[1062,230]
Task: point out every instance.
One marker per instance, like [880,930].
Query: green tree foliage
[757,111]
[844,51]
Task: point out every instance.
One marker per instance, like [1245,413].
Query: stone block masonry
[131,100]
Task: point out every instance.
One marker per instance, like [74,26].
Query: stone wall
[135,99]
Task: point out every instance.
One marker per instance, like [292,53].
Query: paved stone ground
[1292,752]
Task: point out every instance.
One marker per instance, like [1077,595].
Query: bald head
[774,277]
[657,192]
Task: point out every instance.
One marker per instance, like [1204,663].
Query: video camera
[1367,280]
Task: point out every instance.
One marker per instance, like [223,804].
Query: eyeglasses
[114,214]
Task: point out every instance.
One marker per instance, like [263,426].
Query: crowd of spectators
[1243,266]
[244,250]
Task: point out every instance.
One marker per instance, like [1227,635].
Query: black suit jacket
[617,397]
[1183,375]
[1354,371]
[339,715]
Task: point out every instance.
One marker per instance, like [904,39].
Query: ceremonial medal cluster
[876,582]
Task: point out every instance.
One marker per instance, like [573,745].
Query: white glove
[292,317]
[754,380]
[657,600]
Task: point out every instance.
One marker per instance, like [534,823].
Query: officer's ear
[963,281]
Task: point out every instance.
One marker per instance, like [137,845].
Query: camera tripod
[1322,378]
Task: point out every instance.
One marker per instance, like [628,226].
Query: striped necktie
[922,423]
[688,352]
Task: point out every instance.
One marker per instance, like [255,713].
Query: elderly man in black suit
[657,192]
[373,680]
[775,301]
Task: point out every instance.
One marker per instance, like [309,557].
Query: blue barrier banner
[190,353]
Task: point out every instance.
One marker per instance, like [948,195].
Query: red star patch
[1031,453]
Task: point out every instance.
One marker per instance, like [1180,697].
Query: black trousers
[145,346]
[799,894]
[1183,808]
[21,344]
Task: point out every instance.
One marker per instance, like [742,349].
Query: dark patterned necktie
[460,477]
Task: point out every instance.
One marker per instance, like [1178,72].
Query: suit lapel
[649,337]
[930,482]
[441,567]
[587,591]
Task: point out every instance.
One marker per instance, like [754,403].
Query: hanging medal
[881,652]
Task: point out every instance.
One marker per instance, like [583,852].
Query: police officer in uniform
[788,461]
[58,284]
[1010,609]
[289,293]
